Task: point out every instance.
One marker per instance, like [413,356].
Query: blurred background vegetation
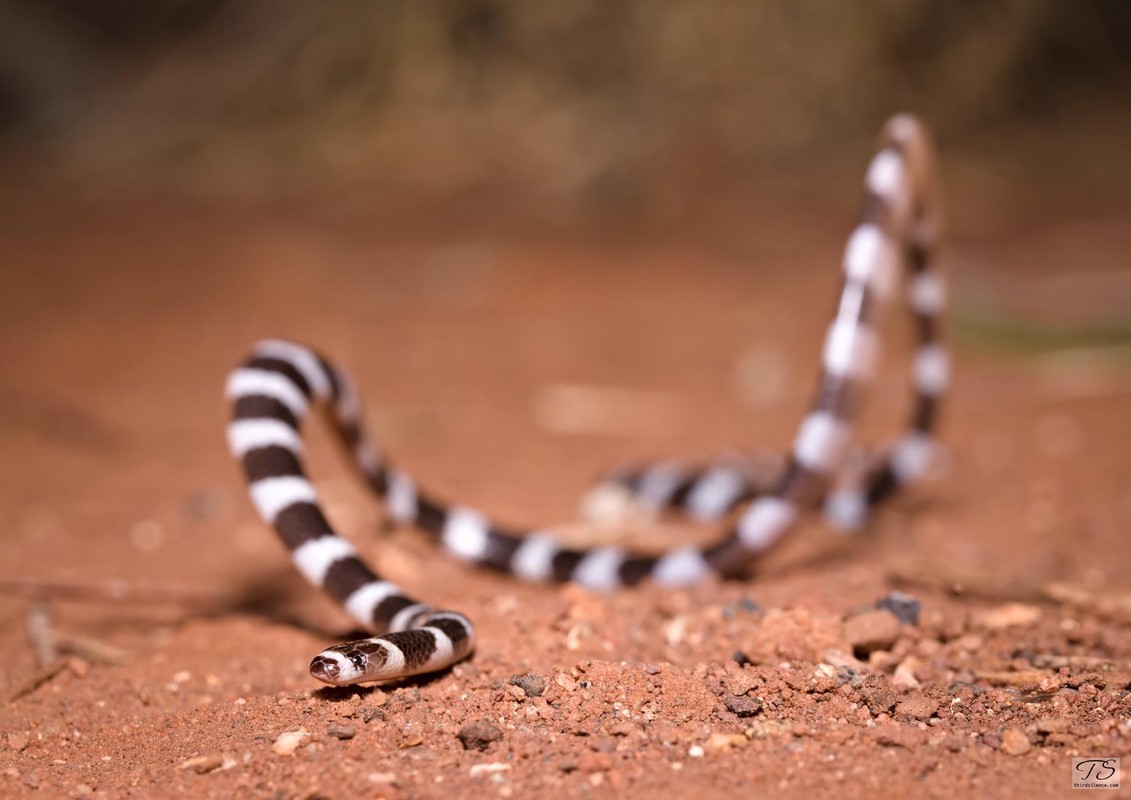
[587,101]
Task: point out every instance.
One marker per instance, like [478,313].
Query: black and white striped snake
[272,390]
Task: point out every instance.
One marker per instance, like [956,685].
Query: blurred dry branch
[577,98]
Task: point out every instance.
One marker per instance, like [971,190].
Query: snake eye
[357,658]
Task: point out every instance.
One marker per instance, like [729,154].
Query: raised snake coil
[280,381]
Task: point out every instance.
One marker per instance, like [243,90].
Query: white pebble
[288,741]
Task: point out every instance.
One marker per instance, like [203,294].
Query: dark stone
[902,606]
[744,706]
[341,731]
[479,735]
[533,685]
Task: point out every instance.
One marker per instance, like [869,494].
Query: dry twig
[35,680]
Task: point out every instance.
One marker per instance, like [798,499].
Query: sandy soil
[117,328]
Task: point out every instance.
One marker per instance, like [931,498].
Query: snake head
[350,663]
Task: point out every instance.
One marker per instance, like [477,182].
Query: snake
[281,382]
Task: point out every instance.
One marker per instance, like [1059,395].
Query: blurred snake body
[273,390]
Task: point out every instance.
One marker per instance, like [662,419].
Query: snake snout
[325,669]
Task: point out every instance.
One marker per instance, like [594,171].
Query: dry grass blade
[35,680]
[87,648]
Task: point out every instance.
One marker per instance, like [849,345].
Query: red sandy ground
[118,326]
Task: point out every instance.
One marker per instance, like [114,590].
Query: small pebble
[741,682]
[369,714]
[288,741]
[877,694]
[904,676]
[871,631]
[479,735]
[533,685]
[202,765]
[903,606]
[920,707]
[724,741]
[1014,742]
[743,706]
[845,663]
[341,731]
[824,672]
[1009,615]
